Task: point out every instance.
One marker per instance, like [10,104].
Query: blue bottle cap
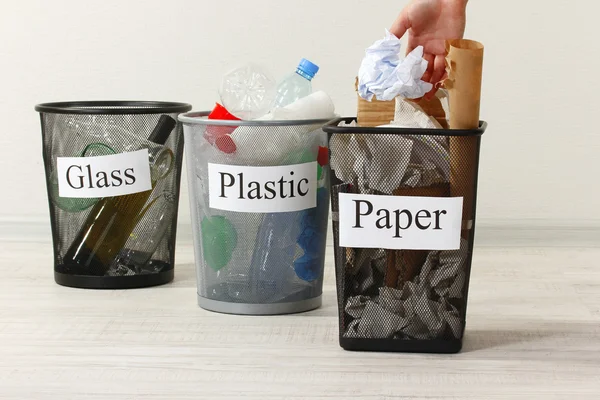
[308,68]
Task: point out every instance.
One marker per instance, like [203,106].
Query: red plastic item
[220,112]
[226,144]
[218,136]
[323,156]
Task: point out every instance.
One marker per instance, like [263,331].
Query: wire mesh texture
[403,299]
[256,258]
[129,240]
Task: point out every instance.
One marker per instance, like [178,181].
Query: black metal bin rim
[333,127]
[113,107]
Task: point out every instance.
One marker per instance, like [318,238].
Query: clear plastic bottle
[296,85]
[247,92]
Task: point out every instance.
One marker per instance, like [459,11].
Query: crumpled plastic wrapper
[422,309]
[384,75]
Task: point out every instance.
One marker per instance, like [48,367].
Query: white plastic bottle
[296,85]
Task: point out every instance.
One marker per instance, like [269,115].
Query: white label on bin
[399,222]
[282,188]
[104,176]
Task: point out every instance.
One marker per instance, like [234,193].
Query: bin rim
[201,118]
[333,127]
[113,107]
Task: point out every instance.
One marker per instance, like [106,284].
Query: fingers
[431,94]
[439,68]
[401,24]
[437,74]
[430,64]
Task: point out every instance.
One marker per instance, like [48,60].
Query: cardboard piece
[374,112]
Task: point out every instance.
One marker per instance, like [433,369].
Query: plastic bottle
[296,85]
[248,92]
[276,271]
[272,275]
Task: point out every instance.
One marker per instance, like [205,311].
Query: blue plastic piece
[312,239]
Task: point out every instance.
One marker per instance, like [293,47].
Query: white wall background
[540,91]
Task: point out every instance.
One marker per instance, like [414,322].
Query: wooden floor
[533,331]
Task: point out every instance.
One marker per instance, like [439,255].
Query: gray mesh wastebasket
[259,197]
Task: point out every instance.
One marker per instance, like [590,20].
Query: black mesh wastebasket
[403,211]
[113,170]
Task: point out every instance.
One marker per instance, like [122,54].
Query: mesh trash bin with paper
[112,171]
[259,198]
[402,250]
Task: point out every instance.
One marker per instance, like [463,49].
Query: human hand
[429,24]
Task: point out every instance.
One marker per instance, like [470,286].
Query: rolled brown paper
[464,64]
[374,112]
[404,265]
